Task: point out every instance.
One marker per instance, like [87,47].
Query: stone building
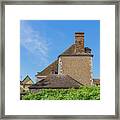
[76,62]
[25,84]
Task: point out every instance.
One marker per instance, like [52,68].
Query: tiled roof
[48,69]
[56,81]
[69,51]
[25,80]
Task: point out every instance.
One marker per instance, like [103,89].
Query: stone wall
[78,67]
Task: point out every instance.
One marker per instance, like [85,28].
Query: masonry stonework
[78,67]
[79,42]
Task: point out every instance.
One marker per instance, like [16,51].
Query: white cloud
[34,42]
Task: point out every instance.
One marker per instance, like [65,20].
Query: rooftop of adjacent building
[26,80]
[56,81]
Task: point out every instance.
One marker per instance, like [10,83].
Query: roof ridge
[25,79]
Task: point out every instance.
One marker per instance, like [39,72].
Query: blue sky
[41,41]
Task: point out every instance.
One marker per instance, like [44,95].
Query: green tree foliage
[83,93]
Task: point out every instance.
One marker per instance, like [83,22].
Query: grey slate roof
[71,52]
[48,69]
[56,81]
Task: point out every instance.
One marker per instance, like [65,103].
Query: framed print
[60,60]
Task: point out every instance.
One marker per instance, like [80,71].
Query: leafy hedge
[83,93]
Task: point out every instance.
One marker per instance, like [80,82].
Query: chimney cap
[79,32]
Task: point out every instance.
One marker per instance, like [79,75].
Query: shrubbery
[83,93]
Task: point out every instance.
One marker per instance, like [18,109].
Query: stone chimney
[79,42]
